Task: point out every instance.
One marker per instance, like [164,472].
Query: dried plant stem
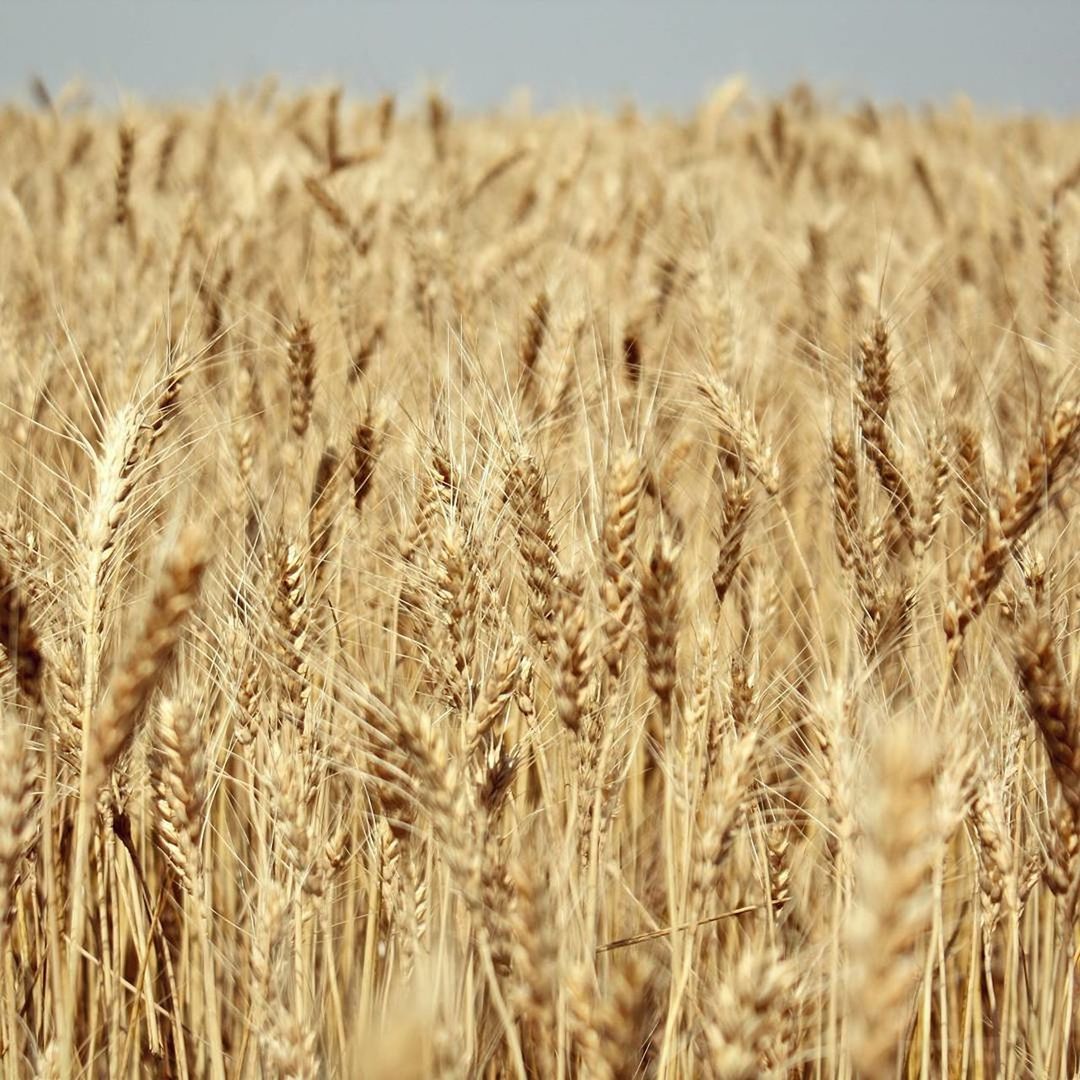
[110,732]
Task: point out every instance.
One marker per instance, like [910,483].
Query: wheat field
[511,595]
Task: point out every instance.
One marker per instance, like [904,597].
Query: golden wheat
[609,590]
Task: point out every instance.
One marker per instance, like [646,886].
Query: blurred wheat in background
[537,596]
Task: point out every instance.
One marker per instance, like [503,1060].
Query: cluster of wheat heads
[556,596]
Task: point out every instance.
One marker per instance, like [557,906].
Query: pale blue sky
[666,55]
